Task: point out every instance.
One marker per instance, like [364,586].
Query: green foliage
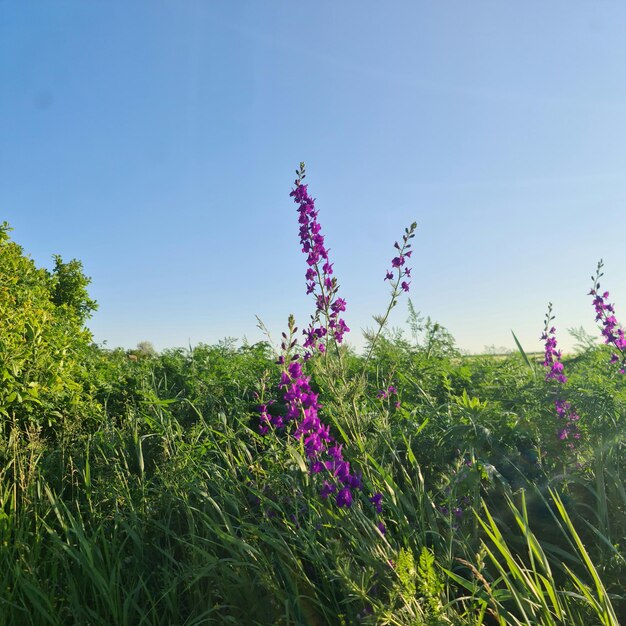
[42,341]
[69,289]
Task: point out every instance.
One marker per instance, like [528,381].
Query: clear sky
[157,142]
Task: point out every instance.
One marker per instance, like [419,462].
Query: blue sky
[157,142]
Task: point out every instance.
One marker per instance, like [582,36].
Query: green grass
[169,514]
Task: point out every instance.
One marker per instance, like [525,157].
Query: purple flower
[335,452]
[552,356]
[324,454]
[301,414]
[316,467]
[295,370]
[340,330]
[552,361]
[399,263]
[376,500]
[338,305]
[605,313]
[319,272]
[356,481]
[344,498]
[313,445]
[343,472]
[327,489]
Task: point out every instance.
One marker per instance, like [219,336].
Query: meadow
[305,483]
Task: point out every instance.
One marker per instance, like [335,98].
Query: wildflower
[344,498]
[338,305]
[355,481]
[327,489]
[552,358]
[376,500]
[335,452]
[319,274]
[398,263]
[605,313]
[301,414]
[317,467]
[340,328]
[552,361]
[383,394]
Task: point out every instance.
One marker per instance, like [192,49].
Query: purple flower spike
[552,361]
[319,274]
[605,313]
[399,268]
[300,414]
[552,358]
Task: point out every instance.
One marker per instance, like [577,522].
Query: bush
[42,340]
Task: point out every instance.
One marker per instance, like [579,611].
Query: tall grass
[153,523]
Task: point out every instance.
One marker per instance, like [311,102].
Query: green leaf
[523,353]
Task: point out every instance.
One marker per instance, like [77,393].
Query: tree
[70,288]
[42,339]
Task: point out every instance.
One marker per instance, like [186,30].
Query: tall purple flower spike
[552,361]
[320,281]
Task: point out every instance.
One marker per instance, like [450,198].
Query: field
[306,483]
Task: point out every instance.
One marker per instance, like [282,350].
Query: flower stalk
[612,331]
[568,430]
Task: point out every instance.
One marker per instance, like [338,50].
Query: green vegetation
[136,488]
